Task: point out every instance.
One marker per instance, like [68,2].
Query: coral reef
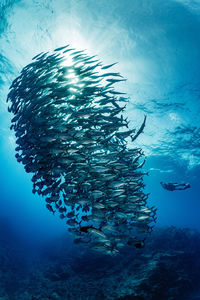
[167,268]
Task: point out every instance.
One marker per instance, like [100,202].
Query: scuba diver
[175,186]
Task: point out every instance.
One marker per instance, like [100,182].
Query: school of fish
[71,134]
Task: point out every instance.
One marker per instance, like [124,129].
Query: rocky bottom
[167,268]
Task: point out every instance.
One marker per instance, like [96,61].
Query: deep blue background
[157,45]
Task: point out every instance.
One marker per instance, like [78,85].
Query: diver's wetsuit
[175,186]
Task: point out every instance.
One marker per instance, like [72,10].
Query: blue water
[157,45]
